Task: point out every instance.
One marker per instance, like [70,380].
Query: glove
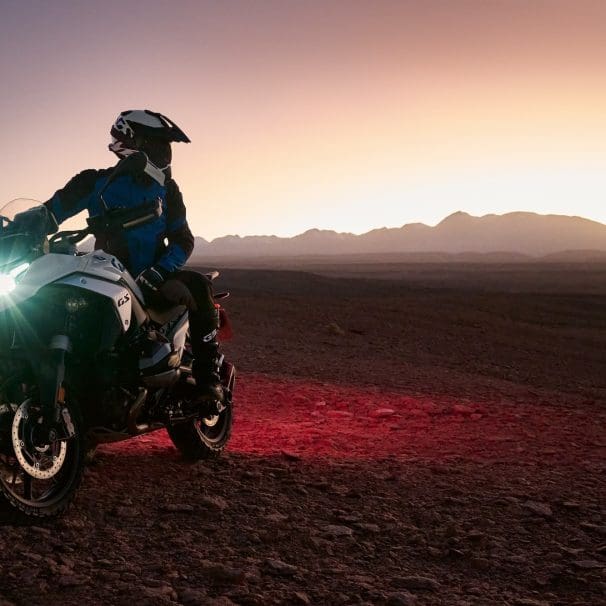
[150,280]
[159,291]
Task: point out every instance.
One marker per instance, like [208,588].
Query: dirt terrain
[436,437]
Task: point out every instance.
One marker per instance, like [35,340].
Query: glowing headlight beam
[17,271]
[8,282]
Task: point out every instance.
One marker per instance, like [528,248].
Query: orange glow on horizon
[346,116]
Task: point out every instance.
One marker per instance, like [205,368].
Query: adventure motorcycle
[84,361]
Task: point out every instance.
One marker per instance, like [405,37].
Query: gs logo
[125,298]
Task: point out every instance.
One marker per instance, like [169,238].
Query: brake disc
[41,461]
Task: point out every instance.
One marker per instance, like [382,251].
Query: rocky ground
[393,445]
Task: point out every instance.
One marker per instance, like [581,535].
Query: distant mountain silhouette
[521,233]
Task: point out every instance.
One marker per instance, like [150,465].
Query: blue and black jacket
[166,243]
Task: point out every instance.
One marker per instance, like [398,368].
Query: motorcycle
[84,361]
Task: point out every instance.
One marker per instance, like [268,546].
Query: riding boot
[204,325]
[205,369]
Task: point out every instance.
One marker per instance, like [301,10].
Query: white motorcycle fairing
[96,271]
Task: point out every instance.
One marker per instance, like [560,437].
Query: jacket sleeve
[180,238]
[74,197]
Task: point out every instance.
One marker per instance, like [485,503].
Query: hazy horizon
[346,115]
[499,236]
[383,227]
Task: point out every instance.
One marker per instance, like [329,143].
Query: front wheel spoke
[38,473]
[27,455]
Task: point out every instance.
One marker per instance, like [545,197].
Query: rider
[154,252]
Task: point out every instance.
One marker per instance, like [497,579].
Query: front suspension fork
[57,421]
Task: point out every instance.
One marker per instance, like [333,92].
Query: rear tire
[205,438]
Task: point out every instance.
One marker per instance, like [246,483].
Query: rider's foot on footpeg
[210,391]
[207,395]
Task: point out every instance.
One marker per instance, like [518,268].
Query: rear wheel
[38,477]
[207,437]
[203,438]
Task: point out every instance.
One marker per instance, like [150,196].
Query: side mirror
[36,220]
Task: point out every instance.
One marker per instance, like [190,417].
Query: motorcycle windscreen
[14,248]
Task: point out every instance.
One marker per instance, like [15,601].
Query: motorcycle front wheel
[38,478]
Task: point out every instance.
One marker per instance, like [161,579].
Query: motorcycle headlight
[75,304]
[8,282]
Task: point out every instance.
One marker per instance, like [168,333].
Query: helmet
[147,131]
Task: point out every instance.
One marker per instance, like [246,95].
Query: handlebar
[118,218]
[28,230]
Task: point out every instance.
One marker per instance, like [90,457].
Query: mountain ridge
[519,232]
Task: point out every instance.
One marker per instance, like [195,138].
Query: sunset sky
[337,114]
